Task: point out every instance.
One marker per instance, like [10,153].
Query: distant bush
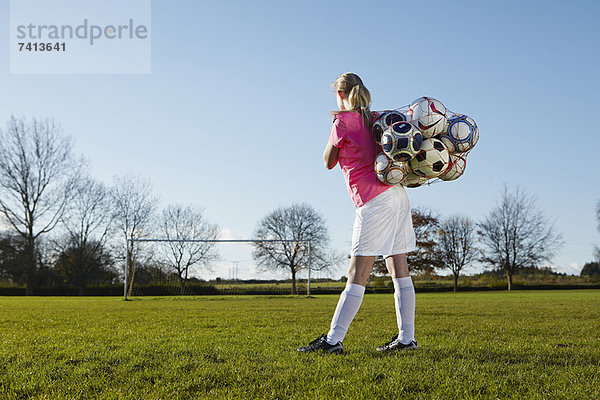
[590,269]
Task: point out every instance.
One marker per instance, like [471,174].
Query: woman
[382,225]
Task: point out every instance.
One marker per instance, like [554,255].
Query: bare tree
[88,223]
[187,223]
[300,223]
[134,209]
[37,176]
[517,234]
[457,245]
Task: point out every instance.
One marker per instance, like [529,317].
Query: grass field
[543,345]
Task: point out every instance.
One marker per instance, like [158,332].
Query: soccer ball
[413,180]
[389,171]
[401,141]
[384,121]
[429,115]
[457,167]
[462,134]
[432,160]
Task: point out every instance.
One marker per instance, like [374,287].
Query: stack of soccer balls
[421,142]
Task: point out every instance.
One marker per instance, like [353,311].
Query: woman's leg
[359,269]
[404,297]
[397,266]
[351,298]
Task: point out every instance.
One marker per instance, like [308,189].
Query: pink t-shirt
[356,156]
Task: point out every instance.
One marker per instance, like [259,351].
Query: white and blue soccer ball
[389,171]
[401,141]
[429,115]
[462,134]
[384,121]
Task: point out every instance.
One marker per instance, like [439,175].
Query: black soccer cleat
[396,344]
[320,344]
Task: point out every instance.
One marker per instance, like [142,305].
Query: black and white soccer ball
[389,171]
[413,180]
[456,167]
[401,141]
[384,121]
[432,160]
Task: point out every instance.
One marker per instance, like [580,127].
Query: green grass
[542,345]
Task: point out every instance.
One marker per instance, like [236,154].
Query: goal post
[132,241]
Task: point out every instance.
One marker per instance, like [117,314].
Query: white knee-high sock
[404,298]
[345,311]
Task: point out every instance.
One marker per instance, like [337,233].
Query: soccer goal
[160,266]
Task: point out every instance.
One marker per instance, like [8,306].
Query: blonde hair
[359,96]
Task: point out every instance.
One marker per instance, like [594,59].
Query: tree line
[45,188]
[515,235]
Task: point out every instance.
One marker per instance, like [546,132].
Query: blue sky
[235,113]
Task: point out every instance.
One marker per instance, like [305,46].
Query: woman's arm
[330,156]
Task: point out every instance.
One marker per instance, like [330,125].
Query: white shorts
[383,225]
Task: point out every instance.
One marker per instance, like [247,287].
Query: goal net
[157,267]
